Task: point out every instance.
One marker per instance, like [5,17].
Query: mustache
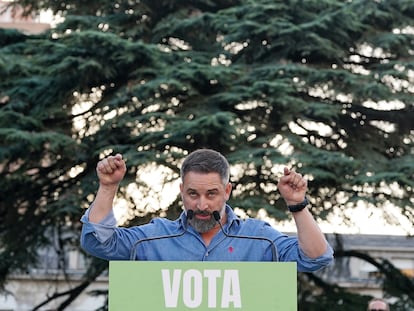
[202,213]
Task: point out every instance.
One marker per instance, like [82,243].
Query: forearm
[103,202]
[311,239]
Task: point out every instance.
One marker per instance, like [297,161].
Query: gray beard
[203,226]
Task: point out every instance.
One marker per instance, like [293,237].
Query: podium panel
[188,285]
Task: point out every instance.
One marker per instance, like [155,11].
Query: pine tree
[324,86]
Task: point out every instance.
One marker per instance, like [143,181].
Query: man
[378,304]
[207,227]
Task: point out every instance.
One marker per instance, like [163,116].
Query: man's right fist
[111,170]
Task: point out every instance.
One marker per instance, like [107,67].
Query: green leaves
[324,87]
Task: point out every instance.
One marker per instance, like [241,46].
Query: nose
[202,204]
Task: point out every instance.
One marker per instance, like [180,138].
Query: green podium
[189,285]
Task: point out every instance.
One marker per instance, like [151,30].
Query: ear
[228,190]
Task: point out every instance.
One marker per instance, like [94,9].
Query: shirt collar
[232,218]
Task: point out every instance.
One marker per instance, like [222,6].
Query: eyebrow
[208,190]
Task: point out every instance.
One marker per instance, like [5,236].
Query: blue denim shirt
[107,241]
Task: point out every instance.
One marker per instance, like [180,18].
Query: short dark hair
[206,161]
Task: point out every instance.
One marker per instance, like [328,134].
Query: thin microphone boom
[190,214]
[217,217]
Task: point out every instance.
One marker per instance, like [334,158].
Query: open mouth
[202,215]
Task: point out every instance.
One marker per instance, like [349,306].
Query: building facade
[13,18]
[361,277]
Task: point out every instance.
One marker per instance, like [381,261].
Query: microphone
[275,256]
[132,254]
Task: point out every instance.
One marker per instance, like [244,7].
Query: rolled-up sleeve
[307,264]
[100,232]
[289,250]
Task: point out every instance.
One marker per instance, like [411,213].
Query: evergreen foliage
[324,86]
